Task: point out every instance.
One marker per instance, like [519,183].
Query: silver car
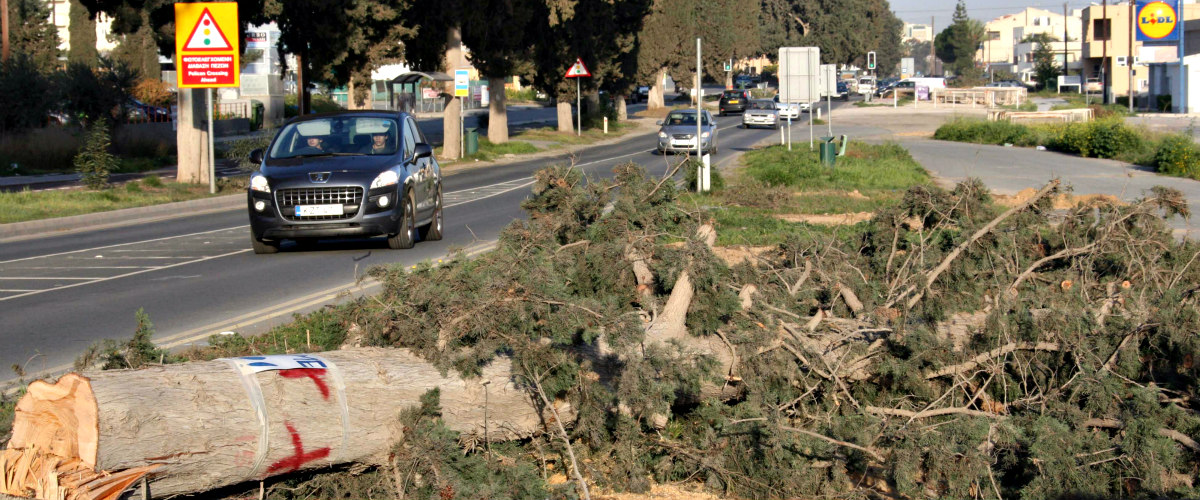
[761,113]
[678,132]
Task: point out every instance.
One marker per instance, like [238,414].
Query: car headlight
[388,178]
[662,135]
[258,182]
[704,135]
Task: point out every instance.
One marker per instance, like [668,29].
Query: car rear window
[733,94]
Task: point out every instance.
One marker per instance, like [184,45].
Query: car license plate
[318,210]
[733,101]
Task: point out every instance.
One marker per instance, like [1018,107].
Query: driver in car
[381,144]
[312,145]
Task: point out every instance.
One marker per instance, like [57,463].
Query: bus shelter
[405,92]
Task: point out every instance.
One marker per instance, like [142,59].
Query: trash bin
[472,141]
[257,111]
[828,151]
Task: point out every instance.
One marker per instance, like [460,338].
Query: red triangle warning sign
[206,35]
[578,70]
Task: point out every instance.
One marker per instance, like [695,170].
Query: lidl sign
[1158,21]
[206,49]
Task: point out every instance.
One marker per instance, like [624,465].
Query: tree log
[195,427]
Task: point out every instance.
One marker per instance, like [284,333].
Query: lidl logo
[1156,21]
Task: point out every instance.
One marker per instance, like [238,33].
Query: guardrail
[1030,117]
[981,96]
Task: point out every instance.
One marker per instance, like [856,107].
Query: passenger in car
[312,145]
[381,144]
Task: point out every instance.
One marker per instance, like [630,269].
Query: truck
[865,85]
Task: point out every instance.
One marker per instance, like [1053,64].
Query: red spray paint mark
[296,461]
[316,374]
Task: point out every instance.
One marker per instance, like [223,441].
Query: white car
[790,110]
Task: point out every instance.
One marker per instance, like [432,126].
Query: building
[1107,44]
[60,16]
[916,32]
[1002,36]
[1163,71]
[1065,53]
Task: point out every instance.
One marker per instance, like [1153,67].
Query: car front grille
[683,136]
[349,197]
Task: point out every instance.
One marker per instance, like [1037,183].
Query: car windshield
[683,119]
[337,136]
[762,105]
[732,95]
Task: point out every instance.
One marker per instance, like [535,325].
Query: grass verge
[22,206]
[768,200]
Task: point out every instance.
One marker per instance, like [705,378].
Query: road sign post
[577,71]
[462,88]
[799,70]
[207,59]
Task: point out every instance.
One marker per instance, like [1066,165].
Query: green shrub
[133,187]
[238,151]
[982,132]
[153,181]
[94,162]
[1178,155]
[1099,139]
[691,172]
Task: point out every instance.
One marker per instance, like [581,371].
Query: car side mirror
[659,123]
[256,156]
[422,150]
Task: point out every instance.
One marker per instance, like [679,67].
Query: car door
[424,176]
[412,167]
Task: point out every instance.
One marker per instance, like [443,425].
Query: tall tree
[845,30]
[496,32]
[436,45]
[139,49]
[82,36]
[919,51]
[32,33]
[1045,63]
[956,45]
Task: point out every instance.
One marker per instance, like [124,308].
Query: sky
[919,11]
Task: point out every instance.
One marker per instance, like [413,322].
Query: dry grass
[22,206]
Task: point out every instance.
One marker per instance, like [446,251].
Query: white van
[931,82]
[866,85]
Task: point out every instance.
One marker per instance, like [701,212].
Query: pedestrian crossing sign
[578,70]
[205,54]
[207,35]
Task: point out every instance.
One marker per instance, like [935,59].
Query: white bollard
[781,141]
[606,125]
[705,173]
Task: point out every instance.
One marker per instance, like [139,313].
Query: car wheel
[263,247]
[433,230]
[406,237]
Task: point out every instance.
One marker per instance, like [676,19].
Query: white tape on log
[249,366]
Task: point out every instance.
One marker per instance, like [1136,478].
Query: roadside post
[828,87]
[702,165]
[462,88]
[207,59]
[577,71]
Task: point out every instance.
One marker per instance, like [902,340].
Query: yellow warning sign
[206,49]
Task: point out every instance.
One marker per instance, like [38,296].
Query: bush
[1178,155]
[94,162]
[691,173]
[238,151]
[1099,139]
[24,95]
[983,132]
[527,94]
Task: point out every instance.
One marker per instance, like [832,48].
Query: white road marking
[3,278]
[121,245]
[87,267]
[15,291]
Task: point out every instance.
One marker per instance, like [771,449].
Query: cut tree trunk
[193,427]
[565,121]
[497,111]
[622,112]
[191,138]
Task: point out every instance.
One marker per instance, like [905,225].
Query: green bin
[828,151]
[257,111]
[472,141]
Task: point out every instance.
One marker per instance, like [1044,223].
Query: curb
[116,218]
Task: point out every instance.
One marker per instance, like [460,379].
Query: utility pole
[699,101]
[1104,54]
[4,27]
[1129,56]
[1066,43]
[932,54]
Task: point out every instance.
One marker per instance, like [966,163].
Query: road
[196,275]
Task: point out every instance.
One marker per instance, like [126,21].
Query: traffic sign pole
[578,108]
[212,164]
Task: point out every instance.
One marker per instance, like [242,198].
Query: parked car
[761,113]
[843,90]
[733,100]
[678,132]
[139,112]
[789,110]
[346,174]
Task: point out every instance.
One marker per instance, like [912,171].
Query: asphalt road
[196,275]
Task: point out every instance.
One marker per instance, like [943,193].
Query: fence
[1032,117]
[230,110]
[983,96]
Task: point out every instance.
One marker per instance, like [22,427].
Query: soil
[1063,201]
[828,219]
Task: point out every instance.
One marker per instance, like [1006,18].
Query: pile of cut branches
[947,349]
